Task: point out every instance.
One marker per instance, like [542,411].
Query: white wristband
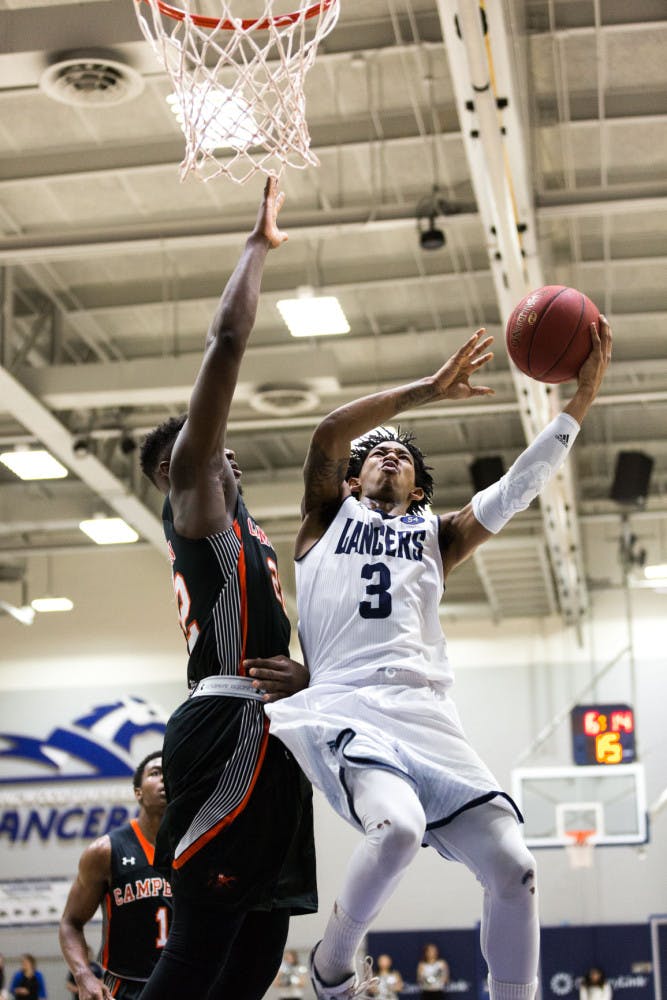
[494,506]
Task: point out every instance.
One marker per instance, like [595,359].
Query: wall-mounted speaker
[485,471]
[631,477]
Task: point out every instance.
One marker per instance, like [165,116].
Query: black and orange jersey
[136,908]
[230,603]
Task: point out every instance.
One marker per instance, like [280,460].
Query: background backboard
[609,800]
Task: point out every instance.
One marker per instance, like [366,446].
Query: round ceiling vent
[90,79]
[284,400]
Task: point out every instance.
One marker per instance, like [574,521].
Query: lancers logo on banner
[76,782]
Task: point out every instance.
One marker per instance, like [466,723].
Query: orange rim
[581,838]
[246,23]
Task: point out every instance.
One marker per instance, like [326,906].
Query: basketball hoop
[580,850]
[239,83]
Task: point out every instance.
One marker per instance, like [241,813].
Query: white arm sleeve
[494,506]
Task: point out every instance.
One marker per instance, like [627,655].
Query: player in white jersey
[377,730]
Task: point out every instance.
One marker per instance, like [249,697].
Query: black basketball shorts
[238,830]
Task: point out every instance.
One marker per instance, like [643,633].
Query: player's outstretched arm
[491,508]
[328,455]
[204,431]
[84,897]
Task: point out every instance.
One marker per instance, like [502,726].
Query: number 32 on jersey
[191,628]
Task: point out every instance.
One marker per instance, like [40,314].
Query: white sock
[511,991]
[334,958]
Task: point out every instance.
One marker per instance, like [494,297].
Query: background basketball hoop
[239,83]
[580,850]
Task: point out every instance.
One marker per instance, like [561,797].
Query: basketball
[548,334]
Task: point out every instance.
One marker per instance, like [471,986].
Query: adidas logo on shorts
[564,439]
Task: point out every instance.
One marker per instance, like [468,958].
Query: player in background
[377,730]
[116,871]
[237,835]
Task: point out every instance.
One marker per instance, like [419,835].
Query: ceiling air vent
[90,79]
[284,400]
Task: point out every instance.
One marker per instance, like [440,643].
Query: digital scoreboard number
[603,734]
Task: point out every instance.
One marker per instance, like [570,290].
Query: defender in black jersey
[237,835]
[116,871]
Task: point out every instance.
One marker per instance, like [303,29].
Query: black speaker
[485,471]
[631,477]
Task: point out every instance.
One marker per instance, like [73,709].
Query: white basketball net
[238,85]
[580,848]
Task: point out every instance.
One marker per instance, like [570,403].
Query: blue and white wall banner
[623,951]
[66,763]
[458,947]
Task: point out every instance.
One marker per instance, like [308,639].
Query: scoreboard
[603,734]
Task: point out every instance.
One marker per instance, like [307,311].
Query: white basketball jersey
[368,593]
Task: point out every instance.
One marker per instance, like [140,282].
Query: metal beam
[481,71]
[328,136]
[67,26]
[180,234]
[34,416]
[167,381]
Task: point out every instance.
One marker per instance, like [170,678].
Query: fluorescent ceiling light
[109,530]
[224,119]
[52,604]
[656,572]
[311,315]
[33,464]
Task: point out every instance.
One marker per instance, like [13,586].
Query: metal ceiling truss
[480,63]
[36,418]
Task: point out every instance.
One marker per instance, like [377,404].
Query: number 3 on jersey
[190,629]
[378,590]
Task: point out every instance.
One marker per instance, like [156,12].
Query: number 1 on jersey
[162,920]
[380,606]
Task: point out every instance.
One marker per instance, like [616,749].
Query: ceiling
[111,268]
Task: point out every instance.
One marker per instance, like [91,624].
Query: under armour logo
[128,861]
[564,439]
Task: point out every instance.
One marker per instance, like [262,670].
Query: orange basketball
[548,334]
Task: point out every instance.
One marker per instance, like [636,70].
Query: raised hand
[592,371]
[452,381]
[267,218]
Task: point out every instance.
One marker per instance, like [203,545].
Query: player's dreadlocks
[423,477]
[157,445]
